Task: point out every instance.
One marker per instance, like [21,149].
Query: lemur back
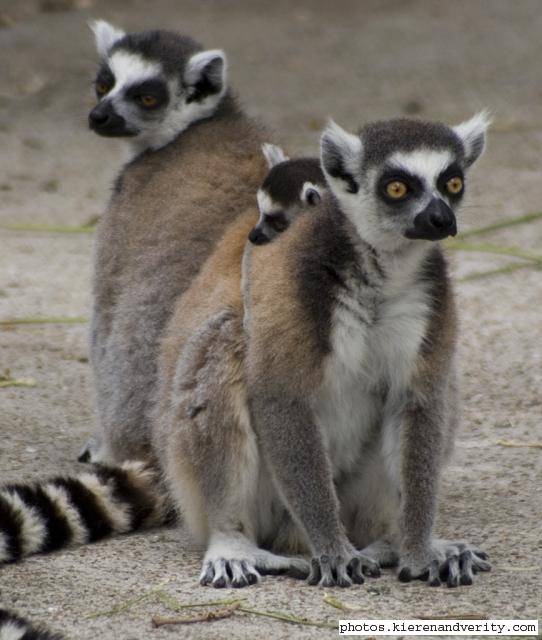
[164,217]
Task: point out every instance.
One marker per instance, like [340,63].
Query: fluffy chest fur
[378,322]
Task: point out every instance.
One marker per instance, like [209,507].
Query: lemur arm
[293,448]
[421,459]
[428,427]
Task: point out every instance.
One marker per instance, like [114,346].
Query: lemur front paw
[341,570]
[452,563]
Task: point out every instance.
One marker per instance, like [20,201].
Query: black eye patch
[453,171]
[413,184]
[277,221]
[105,76]
[155,88]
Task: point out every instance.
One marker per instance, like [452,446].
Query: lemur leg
[213,462]
[421,556]
[295,452]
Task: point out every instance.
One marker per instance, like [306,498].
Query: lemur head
[402,180]
[153,85]
[289,187]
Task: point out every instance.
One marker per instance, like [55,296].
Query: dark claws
[405,575]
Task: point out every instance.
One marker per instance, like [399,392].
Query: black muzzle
[436,222]
[105,121]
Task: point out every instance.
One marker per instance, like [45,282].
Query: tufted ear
[273,154]
[106,35]
[206,74]
[340,154]
[311,194]
[473,136]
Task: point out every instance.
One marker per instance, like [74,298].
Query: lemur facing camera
[170,99]
[329,441]
[312,413]
[288,189]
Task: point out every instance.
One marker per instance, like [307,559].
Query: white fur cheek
[265,203]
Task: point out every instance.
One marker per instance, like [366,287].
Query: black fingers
[405,575]
[315,573]
[465,568]
[355,570]
[458,568]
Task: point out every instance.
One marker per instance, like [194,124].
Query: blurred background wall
[294,64]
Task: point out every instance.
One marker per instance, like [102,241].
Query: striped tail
[66,511]
[13,627]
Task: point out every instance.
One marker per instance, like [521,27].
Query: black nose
[441,217]
[101,116]
[105,121]
[98,119]
[257,236]
[435,222]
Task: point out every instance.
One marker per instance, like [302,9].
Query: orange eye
[396,189]
[102,88]
[454,185]
[148,101]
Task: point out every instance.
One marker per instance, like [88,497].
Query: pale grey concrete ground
[295,64]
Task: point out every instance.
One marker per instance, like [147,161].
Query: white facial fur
[359,200]
[130,68]
[265,204]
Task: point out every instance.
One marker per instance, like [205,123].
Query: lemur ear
[273,154]
[473,136]
[311,194]
[340,154]
[206,74]
[106,35]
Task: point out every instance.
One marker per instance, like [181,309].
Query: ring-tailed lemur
[289,187]
[14,627]
[320,425]
[170,98]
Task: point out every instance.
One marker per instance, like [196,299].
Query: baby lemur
[288,189]
[320,424]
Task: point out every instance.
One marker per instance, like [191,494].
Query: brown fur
[170,208]
[283,331]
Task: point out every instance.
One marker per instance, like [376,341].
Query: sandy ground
[294,64]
